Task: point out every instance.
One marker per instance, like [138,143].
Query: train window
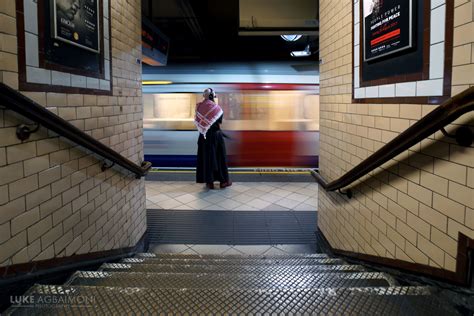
[243,110]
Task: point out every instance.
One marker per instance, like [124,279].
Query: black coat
[211,156]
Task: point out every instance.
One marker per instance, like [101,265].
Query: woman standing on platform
[211,155]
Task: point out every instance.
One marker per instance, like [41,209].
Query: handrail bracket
[23,131]
[347,193]
[105,167]
[463,135]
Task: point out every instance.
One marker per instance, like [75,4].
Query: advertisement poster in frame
[77,22]
[387,27]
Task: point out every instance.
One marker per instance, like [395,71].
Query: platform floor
[293,199]
[268,250]
[241,196]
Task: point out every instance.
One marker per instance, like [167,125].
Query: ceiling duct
[278,17]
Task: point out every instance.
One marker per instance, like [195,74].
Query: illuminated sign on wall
[387,27]
[155,45]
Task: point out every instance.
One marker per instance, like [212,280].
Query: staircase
[232,284]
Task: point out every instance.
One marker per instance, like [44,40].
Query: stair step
[215,256]
[342,301]
[231,262]
[244,268]
[227,281]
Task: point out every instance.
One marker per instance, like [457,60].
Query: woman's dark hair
[212,94]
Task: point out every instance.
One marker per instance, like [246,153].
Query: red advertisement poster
[387,27]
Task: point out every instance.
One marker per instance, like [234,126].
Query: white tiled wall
[54,199]
[60,78]
[414,206]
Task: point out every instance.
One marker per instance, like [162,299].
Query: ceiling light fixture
[291,37]
[302,53]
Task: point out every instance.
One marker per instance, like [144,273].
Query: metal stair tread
[231,262]
[227,269]
[231,256]
[353,301]
[225,280]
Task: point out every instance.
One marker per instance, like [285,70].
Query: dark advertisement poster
[77,22]
[387,27]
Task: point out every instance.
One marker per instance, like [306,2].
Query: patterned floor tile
[281,192]
[175,194]
[290,204]
[308,191]
[228,192]
[186,198]
[242,196]
[266,188]
[215,198]
[205,249]
[274,251]
[228,204]
[275,207]
[183,207]
[256,193]
[245,207]
[232,251]
[252,249]
[305,207]
[201,195]
[298,248]
[168,248]
[169,204]
[270,197]
[312,201]
[198,204]
[190,251]
[297,197]
[159,198]
[290,187]
[258,203]
[240,188]
[153,206]
[211,207]
[211,249]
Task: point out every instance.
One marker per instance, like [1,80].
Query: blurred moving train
[267,124]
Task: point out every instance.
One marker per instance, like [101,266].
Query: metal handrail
[28,108]
[436,120]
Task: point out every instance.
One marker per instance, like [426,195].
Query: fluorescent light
[301,53]
[151,82]
[291,37]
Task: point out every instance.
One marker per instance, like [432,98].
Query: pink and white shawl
[207,113]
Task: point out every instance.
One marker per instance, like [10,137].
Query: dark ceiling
[207,31]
